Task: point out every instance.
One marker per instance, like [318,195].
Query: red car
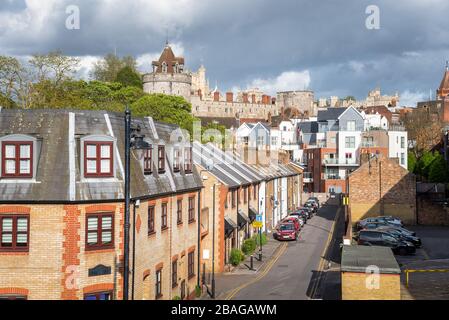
[293,220]
[286,231]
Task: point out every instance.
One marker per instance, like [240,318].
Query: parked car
[308,211]
[286,231]
[402,235]
[386,219]
[362,223]
[314,199]
[301,214]
[376,225]
[311,205]
[294,220]
[384,239]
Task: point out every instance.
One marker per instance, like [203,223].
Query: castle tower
[443,91]
[168,76]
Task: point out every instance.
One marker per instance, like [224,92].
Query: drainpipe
[134,250]
[199,239]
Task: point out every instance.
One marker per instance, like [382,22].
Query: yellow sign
[257,224]
[345,201]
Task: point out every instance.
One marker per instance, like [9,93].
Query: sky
[324,46]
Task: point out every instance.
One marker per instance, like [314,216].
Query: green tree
[108,68]
[411,162]
[129,77]
[438,171]
[170,109]
[423,165]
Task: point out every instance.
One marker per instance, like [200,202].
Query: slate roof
[55,182]
[308,126]
[330,113]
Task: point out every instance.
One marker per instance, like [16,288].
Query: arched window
[164,67]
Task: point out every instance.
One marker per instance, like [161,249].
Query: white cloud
[410,99]
[86,66]
[288,80]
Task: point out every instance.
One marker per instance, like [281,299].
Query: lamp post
[134,140]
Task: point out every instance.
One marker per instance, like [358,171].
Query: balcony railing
[308,177]
[338,162]
[330,176]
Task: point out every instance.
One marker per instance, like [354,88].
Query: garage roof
[358,258]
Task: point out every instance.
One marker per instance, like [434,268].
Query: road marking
[268,267]
[323,259]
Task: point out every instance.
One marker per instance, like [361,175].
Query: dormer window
[161,159]
[188,160]
[176,160]
[17,159]
[98,159]
[164,67]
[148,161]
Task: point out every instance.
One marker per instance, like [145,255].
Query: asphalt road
[293,275]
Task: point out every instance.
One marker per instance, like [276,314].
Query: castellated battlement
[168,77]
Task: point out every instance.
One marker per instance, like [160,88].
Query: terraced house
[62,208]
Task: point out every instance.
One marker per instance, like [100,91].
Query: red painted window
[17,159]
[99,231]
[98,159]
[188,160]
[191,209]
[148,162]
[14,232]
[150,220]
[161,159]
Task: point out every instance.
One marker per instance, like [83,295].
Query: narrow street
[293,276]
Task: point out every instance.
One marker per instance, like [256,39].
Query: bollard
[252,262]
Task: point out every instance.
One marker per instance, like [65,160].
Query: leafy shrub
[237,256]
[176,298]
[257,239]
[249,245]
[197,291]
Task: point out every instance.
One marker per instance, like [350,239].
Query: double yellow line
[323,258]
[267,268]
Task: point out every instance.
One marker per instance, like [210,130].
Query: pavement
[293,271]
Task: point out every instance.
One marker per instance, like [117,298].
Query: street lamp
[133,140]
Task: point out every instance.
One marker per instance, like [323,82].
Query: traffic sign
[258,223]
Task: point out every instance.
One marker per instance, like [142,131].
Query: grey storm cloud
[252,41]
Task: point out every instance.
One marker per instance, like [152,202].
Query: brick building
[62,208]
[380,186]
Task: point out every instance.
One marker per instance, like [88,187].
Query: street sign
[258,223]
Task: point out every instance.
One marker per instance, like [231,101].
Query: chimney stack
[217,96]
[253,98]
[229,97]
[245,97]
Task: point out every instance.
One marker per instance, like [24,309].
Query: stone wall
[431,213]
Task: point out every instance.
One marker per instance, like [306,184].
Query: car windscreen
[286,227]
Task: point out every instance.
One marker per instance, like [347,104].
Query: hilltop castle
[169,76]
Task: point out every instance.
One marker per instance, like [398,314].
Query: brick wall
[353,287]
[382,187]
[433,214]
[56,265]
